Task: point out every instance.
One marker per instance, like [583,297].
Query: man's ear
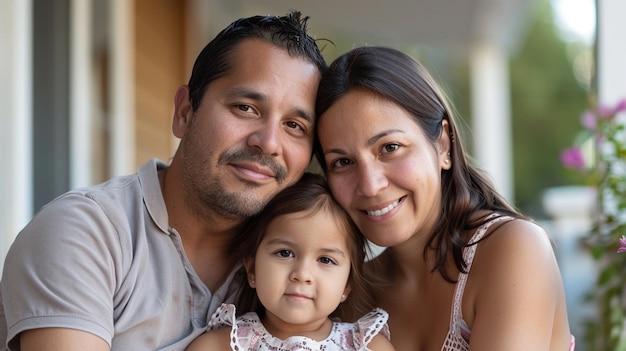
[183,111]
[249,264]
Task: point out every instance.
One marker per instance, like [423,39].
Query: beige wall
[159,69]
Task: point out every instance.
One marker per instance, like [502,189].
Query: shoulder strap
[468,257]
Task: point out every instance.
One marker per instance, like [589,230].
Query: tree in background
[547,100]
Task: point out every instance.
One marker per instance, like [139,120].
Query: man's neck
[206,238]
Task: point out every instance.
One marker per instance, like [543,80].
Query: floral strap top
[248,333]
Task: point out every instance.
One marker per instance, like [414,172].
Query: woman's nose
[371,179]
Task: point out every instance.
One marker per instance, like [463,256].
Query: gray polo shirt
[104,260]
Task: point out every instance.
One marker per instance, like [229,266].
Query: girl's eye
[327,260]
[389,148]
[284,253]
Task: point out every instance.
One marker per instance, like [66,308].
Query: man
[141,262]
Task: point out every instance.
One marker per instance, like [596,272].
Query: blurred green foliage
[547,102]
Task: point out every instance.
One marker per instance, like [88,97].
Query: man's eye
[245,108]
[294,125]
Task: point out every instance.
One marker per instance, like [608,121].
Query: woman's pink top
[458,336]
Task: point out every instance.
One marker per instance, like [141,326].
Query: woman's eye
[339,163]
[284,253]
[389,148]
[327,260]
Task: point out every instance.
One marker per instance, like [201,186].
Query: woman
[462,266]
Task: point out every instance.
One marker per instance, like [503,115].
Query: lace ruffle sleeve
[368,326]
[224,316]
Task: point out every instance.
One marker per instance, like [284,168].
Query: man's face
[252,134]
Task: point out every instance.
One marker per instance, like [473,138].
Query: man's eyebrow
[247,93]
[304,114]
[237,92]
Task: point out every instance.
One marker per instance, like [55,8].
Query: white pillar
[571,209]
[491,115]
[16,119]
[121,88]
[80,93]
[611,51]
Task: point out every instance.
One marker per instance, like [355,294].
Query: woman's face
[382,168]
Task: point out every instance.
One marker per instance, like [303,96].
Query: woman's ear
[249,264]
[444,146]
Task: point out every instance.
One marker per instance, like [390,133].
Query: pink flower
[605,112]
[622,245]
[573,158]
[589,120]
[608,113]
[621,106]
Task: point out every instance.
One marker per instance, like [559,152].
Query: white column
[80,93]
[16,119]
[571,209]
[491,115]
[121,88]
[611,51]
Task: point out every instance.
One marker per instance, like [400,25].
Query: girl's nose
[301,273]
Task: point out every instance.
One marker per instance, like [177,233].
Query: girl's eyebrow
[280,241]
[334,250]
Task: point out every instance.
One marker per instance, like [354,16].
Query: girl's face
[301,270]
[382,168]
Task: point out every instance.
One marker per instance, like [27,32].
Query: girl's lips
[298,296]
[383,211]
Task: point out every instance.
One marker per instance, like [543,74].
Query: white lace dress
[248,333]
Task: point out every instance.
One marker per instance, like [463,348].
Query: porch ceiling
[453,25]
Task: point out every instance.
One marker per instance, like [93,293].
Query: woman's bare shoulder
[514,288]
[517,236]
[517,257]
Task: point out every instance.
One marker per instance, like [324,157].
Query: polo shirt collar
[152,195]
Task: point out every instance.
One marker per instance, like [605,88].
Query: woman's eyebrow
[371,141]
